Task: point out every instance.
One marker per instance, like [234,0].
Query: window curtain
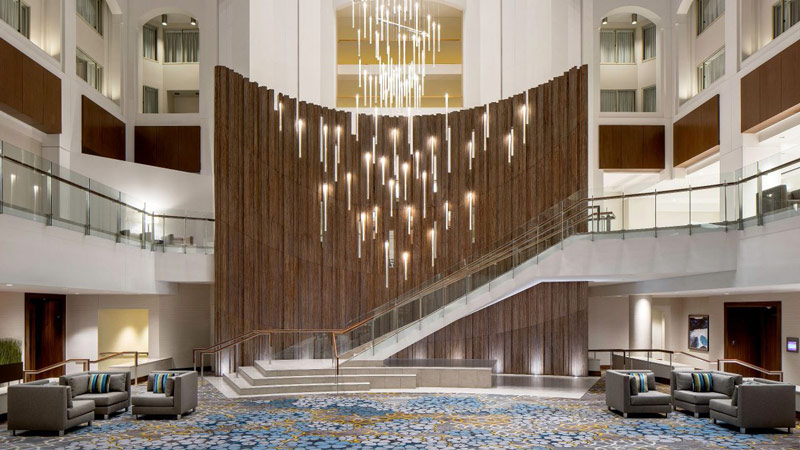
[626,101]
[649,99]
[191,45]
[88,10]
[777,20]
[25,21]
[149,40]
[172,46]
[608,101]
[625,46]
[150,105]
[794,12]
[608,46]
[715,68]
[9,12]
[709,11]
[649,42]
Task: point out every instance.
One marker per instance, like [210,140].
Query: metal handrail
[86,363]
[33,372]
[774,373]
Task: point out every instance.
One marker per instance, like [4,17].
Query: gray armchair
[180,396]
[757,404]
[40,406]
[620,396]
[723,384]
[119,397]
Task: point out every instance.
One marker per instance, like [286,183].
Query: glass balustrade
[37,189]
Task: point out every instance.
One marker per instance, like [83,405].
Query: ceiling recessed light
[9,285]
[605,21]
[193,21]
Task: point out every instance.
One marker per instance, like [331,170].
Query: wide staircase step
[376,379]
[243,387]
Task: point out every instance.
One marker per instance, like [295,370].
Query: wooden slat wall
[542,330]
[771,92]
[272,270]
[102,134]
[632,147]
[696,135]
[170,147]
[28,91]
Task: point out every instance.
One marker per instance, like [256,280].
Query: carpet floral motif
[402,421]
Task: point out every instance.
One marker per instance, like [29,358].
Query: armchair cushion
[724,406]
[79,384]
[99,383]
[79,408]
[650,398]
[160,382]
[117,383]
[641,382]
[634,386]
[735,398]
[683,381]
[170,387]
[723,384]
[698,398]
[69,397]
[702,382]
[106,399]
[152,399]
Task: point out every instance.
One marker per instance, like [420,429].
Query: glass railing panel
[606,216]
[132,225]
[780,193]
[708,209]
[69,206]
[301,345]
[408,313]
[640,214]
[24,191]
[176,238]
[103,215]
[673,212]
[200,234]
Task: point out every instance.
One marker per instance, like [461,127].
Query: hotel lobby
[385,224]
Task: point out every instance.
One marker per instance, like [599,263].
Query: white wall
[608,325]
[12,317]
[177,323]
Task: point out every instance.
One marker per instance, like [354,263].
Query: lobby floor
[407,420]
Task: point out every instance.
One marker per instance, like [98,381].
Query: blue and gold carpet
[403,421]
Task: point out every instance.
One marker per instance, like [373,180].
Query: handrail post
[725,204]
[622,217]
[136,368]
[49,216]
[269,349]
[690,210]
[760,197]
[655,212]
[119,218]
[562,225]
[89,208]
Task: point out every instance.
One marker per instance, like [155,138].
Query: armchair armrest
[618,390]
[185,393]
[37,407]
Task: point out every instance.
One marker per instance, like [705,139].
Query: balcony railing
[37,189]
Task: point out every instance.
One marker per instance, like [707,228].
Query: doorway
[45,338]
[753,335]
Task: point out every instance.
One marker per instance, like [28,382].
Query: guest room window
[707,12]
[150,100]
[616,46]
[711,70]
[18,15]
[649,38]
[88,70]
[92,12]
[622,100]
[149,36]
[785,13]
[649,99]
[181,46]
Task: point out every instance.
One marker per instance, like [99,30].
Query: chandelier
[402,35]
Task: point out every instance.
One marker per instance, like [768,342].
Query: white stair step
[242,387]
[377,380]
[285,370]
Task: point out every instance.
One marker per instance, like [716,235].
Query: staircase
[580,239]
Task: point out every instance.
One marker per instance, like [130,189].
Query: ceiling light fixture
[164,19]
[9,285]
[634,19]
[405,37]
[193,21]
[605,21]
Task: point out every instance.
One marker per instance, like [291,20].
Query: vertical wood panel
[274,271]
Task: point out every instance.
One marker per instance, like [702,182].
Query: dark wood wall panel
[771,92]
[632,147]
[542,330]
[102,134]
[28,91]
[272,269]
[170,147]
[696,135]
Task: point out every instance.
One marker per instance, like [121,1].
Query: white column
[640,314]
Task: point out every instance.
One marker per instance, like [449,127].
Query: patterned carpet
[403,421]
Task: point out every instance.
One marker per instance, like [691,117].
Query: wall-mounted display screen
[791,344]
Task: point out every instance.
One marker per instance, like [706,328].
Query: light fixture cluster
[403,35]
[396,172]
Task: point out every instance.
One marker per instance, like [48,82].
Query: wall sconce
[164,20]
[323,205]
[604,21]
[366,159]
[193,21]
[392,242]
[424,193]
[336,154]
[510,144]
[447,128]
[525,120]
[360,226]
[471,202]
[405,266]
[383,171]
[299,139]
[363,225]
[357,98]
[410,121]
[386,262]
[634,19]
[394,142]
[405,181]
[391,197]
[471,150]
[374,144]
[321,140]
[324,148]
[416,163]
[374,222]
[349,186]
[280,116]
[447,215]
